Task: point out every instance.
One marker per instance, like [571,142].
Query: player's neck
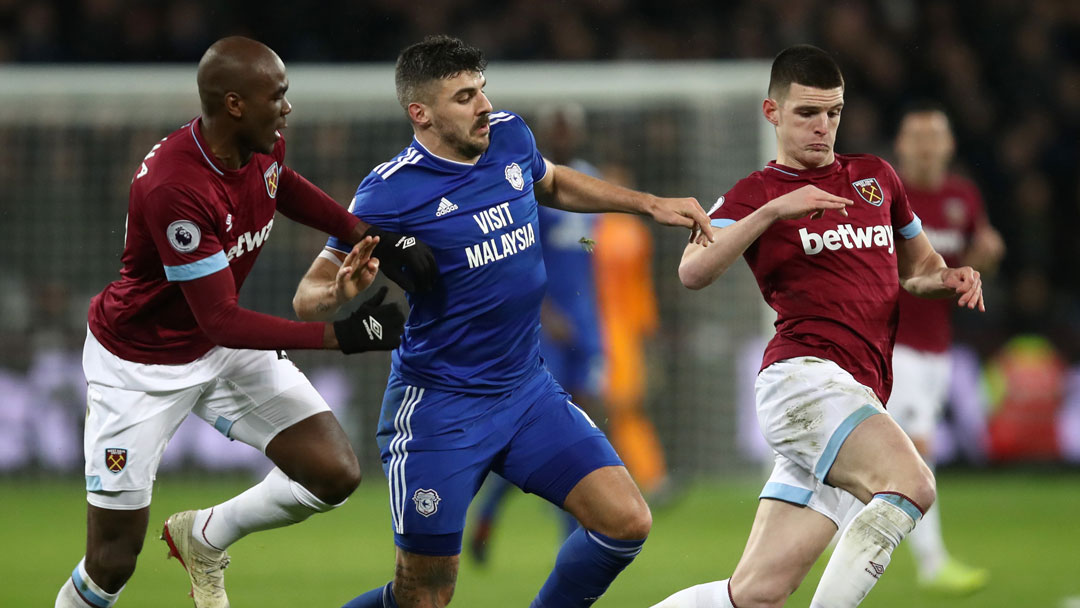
[223,145]
[795,163]
[435,145]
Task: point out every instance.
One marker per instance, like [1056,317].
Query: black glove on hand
[373,326]
[405,260]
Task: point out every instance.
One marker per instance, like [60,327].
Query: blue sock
[493,498]
[587,563]
[382,597]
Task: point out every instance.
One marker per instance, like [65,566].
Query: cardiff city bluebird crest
[513,175]
[427,502]
[870,191]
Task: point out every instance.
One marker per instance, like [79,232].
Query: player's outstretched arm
[406,260]
[700,266]
[923,272]
[335,278]
[213,302]
[570,190]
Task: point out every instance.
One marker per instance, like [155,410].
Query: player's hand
[808,201]
[406,260]
[372,326]
[684,212]
[357,271]
[966,282]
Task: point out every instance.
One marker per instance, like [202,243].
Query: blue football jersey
[478,331]
[571,284]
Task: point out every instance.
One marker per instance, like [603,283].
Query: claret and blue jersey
[478,331]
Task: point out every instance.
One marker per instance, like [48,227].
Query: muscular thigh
[878,456]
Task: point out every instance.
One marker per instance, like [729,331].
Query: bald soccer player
[168,338]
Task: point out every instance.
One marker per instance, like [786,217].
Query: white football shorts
[807,407]
[133,410]
[920,387]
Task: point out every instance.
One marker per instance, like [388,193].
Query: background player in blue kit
[467,393]
[569,324]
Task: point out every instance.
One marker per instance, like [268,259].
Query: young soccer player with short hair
[831,239]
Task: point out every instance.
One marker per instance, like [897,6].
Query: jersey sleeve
[742,200]
[904,221]
[373,203]
[537,165]
[182,228]
[304,202]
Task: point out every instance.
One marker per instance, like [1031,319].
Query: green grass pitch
[1021,526]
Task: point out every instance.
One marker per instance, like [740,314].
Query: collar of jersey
[785,173]
[208,155]
[446,163]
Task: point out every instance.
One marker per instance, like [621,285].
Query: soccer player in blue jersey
[467,392]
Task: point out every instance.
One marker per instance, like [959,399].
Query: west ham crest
[870,191]
[115,459]
[271,179]
[513,175]
[427,501]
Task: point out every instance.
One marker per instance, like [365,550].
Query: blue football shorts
[438,446]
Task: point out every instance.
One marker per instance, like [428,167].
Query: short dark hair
[806,65]
[434,58]
[923,106]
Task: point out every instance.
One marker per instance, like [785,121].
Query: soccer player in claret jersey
[954,220]
[168,337]
[830,238]
[468,393]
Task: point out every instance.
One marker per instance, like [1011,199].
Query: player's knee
[916,483]
[344,482]
[924,488]
[336,481]
[111,565]
[634,524]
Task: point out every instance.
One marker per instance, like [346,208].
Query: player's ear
[418,114]
[771,109]
[234,104]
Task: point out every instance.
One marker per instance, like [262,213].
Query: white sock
[927,544]
[275,502]
[864,551]
[79,591]
[706,595]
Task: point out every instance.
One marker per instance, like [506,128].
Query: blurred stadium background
[671,92]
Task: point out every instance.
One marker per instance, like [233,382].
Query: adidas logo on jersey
[445,207]
[847,237]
